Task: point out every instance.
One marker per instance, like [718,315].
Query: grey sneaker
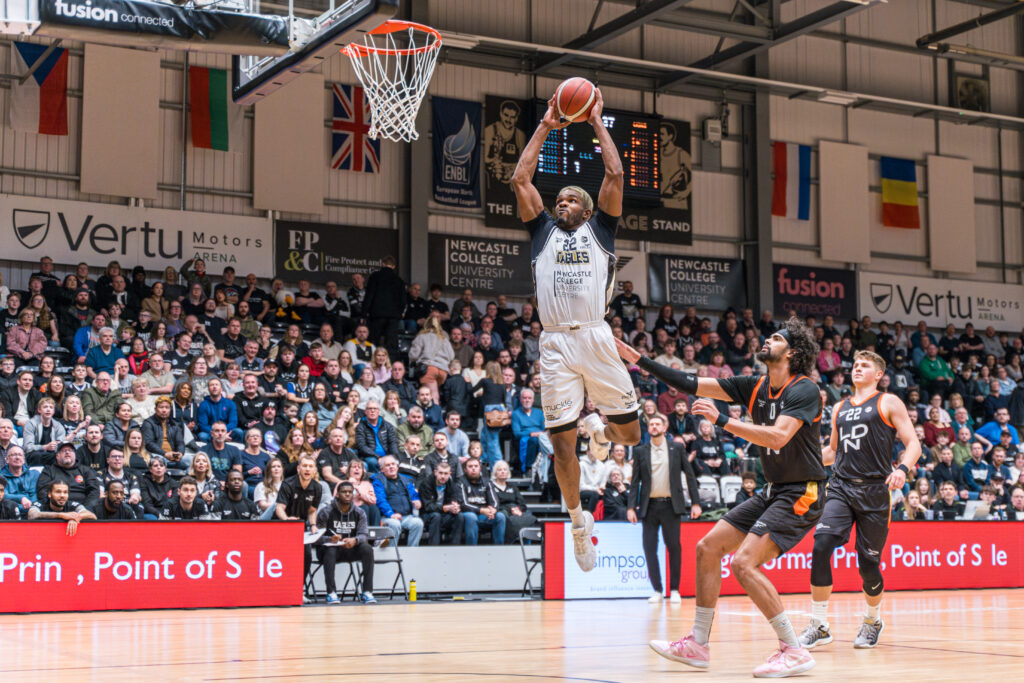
[868,636]
[815,635]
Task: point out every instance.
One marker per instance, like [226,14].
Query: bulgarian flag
[216,121]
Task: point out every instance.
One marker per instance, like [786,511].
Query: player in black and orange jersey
[786,409]
[864,429]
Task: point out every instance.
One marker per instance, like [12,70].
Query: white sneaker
[656,599]
[583,547]
[595,427]
[675,599]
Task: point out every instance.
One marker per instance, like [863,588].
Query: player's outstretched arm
[527,196]
[896,413]
[828,452]
[610,198]
[686,382]
[770,436]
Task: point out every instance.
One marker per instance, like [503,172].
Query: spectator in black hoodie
[440,512]
[83,484]
[157,488]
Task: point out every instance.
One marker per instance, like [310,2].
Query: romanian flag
[216,121]
[791,190]
[40,104]
[899,193]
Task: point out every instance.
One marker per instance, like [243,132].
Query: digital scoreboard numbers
[572,156]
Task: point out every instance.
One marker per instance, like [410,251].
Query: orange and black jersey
[800,459]
[865,439]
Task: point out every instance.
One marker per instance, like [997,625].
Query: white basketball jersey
[573,272]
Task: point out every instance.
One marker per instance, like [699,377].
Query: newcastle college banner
[321,253]
[69,232]
[504,139]
[707,283]
[489,265]
[456,152]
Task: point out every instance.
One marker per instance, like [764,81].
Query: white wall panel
[810,60]
[805,122]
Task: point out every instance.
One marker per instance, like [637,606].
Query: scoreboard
[572,156]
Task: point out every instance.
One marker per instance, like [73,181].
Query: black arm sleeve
[683,381]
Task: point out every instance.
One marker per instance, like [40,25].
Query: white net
[394,63]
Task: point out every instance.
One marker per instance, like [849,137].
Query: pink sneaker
[685,650]
[787,661]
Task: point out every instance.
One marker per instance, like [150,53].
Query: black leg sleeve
[821,559]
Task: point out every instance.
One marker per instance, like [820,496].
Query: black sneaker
[868,636]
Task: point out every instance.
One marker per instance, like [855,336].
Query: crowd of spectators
[202,397]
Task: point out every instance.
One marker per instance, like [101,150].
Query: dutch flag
[791,192]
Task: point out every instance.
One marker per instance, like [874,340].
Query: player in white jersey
[573,257]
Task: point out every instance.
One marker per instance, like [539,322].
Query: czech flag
[791,192]
[40,104]
[899,194]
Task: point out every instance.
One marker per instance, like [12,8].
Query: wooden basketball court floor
[929,636]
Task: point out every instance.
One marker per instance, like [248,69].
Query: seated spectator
[991,430]
[977,473]
[511,502]
[159,380]
[345,539]
[359,347]
[320,406]
[10,510]
[375,438]
[93,452]
[393,412]
[208,486]
[113,505]
[42,434]
[455,390]
[367,389]
[458,440]
[158,489]
[364,494]
[333,459]
[935,426]
[531,436]
[115,431]
[56,503]
[616,496]
[254,458]
[116,471]
[233,504]
[100,401]
[216,408]
[1015,512]
[165,436]
[83,484]
[946,470]
[140,402]
[26,342]
[415,425]
[101,358]
[21,480]
[479,505]
[223,455]
[747,489]
[592,478]
[433,415]
[265,495]
[947,507]
[911,509]
[188,505]
[20,401]
[706,452]
[397,500]
[441,509]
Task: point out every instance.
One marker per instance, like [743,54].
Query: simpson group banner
[707,283]
[149,565]
[70,232]
[814,291]
[456,151]
[918,556]
[504,138]
[460,261]
[320,252]
[940,302]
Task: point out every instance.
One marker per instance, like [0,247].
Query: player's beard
[569,220]
[769,356]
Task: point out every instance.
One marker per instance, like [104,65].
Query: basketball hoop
[395,77]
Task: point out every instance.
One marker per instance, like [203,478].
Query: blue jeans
[268,514]
[472,521]
[371,464]
[411,523]
[489,438]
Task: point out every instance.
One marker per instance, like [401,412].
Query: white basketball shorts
[578,360]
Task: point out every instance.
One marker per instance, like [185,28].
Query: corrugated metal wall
[221,182]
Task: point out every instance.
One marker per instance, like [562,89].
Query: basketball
[574,98]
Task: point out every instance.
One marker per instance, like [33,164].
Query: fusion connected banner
[814,291]
[149,565]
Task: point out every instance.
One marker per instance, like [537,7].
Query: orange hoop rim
[393,26]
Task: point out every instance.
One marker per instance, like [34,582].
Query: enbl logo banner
[149,565]
[456,138]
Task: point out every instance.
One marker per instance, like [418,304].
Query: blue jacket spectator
[1001,422]
[23,484]
[101,358]
[216,408]
[526,421]
[396,495]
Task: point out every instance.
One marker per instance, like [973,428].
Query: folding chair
[533,534]
[380,533]
[731,485]
[709,489]
[308,587]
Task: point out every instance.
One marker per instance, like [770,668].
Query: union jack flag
[351,147]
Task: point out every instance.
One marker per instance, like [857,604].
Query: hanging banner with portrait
[504,138]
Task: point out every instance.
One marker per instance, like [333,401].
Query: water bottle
[412,590]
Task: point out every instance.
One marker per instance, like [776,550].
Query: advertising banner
[707,283]
[320,252]
[920,555]
[504,138]
[149,565]
[489,265]
[456,152]
[814,291]
[940,302]
[70,232]
[621,570]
